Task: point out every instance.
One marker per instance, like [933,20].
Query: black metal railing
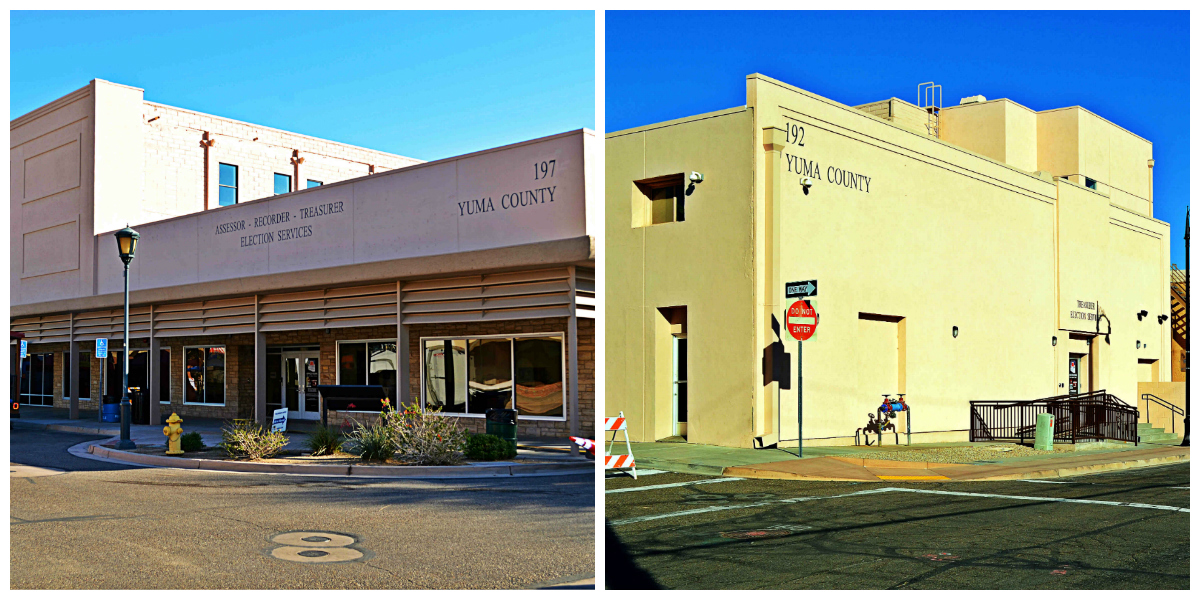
[1175,410]
[1085,417]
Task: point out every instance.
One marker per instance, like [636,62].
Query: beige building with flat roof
[272,262]
[983,251]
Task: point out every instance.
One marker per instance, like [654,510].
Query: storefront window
[204,375]
[368,363]
[494,373]
[85,374]
[164,375]
[539,376]
[490,374]
[443,374]
[37,379]
[139,373]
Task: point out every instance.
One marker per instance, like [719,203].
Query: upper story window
[1089,183]
[228,181]
[314,183]
[662,200]
[283,183]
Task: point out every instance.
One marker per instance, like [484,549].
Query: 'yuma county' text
[507,201]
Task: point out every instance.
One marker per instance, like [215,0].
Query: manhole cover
[315,547]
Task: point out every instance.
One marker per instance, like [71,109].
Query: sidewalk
[549,450]
[851,463]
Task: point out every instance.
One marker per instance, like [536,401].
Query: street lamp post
[126,245]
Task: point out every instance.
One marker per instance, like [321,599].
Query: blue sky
[1131,68]
[425,85]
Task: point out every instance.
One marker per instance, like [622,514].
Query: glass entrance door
[679,384]
[301,376]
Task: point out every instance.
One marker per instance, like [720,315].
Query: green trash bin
[1044,432]
[502,423]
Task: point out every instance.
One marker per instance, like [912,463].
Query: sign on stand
[24,348]
[801,323]
[101,347]
[279,420]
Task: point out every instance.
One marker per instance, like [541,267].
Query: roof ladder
[929,97]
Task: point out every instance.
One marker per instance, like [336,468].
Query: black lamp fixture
[127,240]
[1143,313]
[1162,319]
[1139,344]
[126,247]
[954,331]
[1054,340]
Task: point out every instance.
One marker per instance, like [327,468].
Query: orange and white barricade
[585,445]
[618,461]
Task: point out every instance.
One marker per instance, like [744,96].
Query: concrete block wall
[174,159]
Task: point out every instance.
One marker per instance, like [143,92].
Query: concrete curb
[461,472]
[680,467]
[16,424]
[1085,469]
[749,473]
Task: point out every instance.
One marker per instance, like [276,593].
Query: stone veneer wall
[239,368]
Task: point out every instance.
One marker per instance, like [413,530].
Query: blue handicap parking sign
[102,348]
[24,348]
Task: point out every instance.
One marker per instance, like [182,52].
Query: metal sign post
[802,320]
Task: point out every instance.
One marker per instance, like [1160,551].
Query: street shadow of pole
[620,572]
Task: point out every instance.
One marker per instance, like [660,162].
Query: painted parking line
[1042,499]
[671,485]
[1044,481]
[698,511]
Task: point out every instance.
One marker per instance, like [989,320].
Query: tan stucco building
[974,252]
[271,262]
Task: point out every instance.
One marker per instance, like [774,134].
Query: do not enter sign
[801,320]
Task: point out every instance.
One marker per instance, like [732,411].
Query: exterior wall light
[954,332]
[1139,343]
[1162,319]
[1142,314]
[1054,340]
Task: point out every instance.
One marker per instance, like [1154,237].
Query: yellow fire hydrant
[173,431]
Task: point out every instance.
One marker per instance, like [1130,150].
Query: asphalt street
[1115,530]
[76,523]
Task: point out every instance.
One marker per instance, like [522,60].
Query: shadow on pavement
[620,572]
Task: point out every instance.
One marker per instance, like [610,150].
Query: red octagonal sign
[801,320]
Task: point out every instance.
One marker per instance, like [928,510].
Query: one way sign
[802,289]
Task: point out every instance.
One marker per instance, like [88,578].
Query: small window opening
[665,199]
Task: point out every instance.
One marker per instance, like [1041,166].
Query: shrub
[191,442]
[325,440]
[426,438]
[246,438]
[488,447]
[376,441]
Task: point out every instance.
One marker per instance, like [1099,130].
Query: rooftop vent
[972,100]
